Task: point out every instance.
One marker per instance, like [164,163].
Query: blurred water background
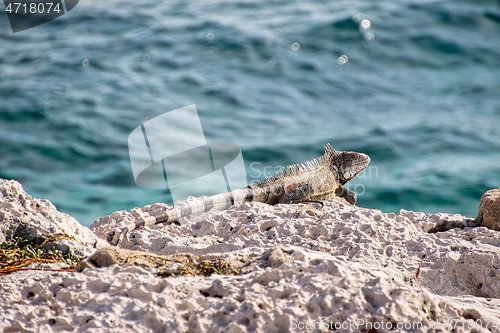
[414,84]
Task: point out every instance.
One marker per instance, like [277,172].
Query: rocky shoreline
[300,268]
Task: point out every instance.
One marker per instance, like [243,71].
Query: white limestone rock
[306,265]
[316,287]
[21,215]
[457,261]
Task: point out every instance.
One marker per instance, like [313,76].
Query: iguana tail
[221,201]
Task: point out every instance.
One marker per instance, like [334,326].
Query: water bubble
[357,18]
[295,46]
[146,57]
[365,24]
[369,36]
[210,36]
[86,62]
[342,60]
[47,106]
[69,87]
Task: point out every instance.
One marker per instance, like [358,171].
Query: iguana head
[348,164]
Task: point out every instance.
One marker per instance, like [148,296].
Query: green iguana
[320,179]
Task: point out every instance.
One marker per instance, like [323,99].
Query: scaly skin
[316,180]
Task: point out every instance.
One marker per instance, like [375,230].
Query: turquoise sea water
[419,93]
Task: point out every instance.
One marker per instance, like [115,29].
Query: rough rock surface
[338,265]
[109,256]
[488,212]
[459,261]
[21,215]
[313,287]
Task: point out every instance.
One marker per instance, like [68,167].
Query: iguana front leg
[348,195]
[300,194]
